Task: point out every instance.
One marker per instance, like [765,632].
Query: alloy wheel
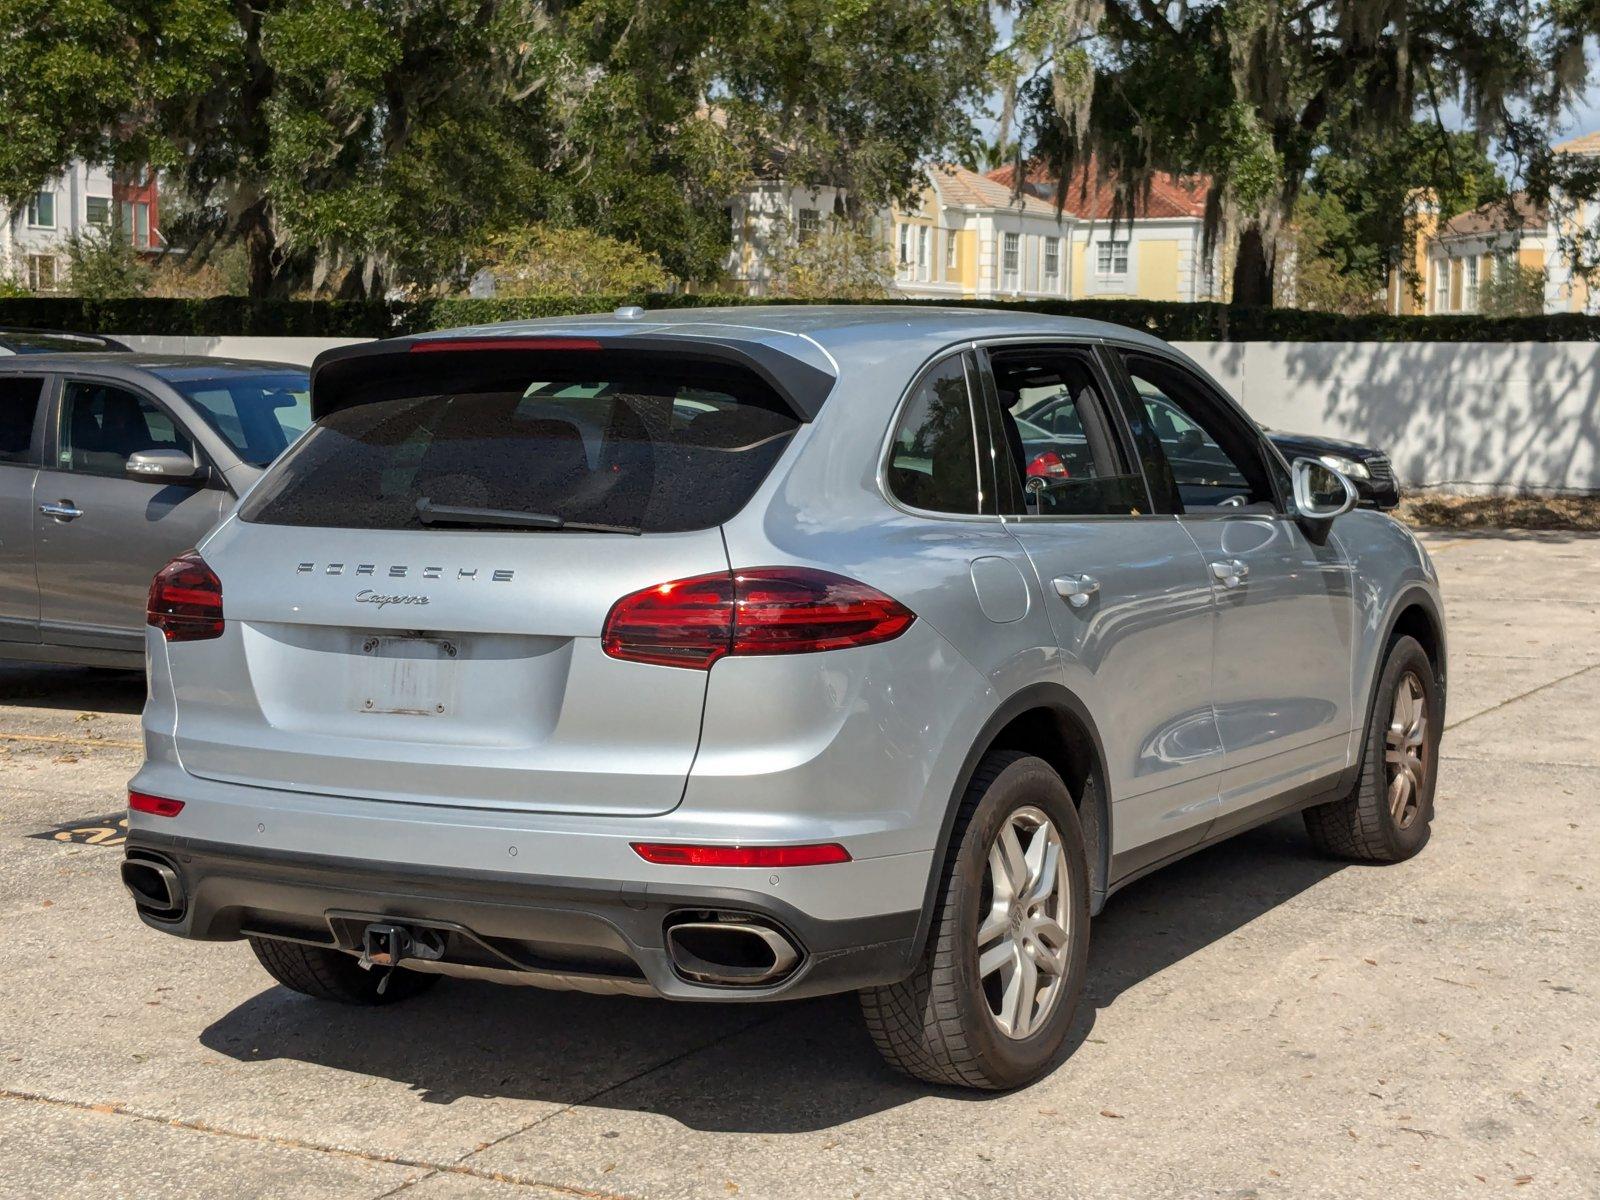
[1025,931]
[1405,743]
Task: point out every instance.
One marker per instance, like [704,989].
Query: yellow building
[977,237]
[1452,262]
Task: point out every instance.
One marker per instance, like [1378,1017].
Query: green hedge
[236,315]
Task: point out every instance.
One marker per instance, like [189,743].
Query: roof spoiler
[399,367]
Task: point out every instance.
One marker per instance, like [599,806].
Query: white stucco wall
[1479,414]
[1512,414]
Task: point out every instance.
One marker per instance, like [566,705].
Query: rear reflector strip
[677,854]
[158,806]
[438,345]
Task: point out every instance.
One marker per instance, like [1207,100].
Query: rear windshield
[657,448]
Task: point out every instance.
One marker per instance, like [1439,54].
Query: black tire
[937,1025]
[334,975]
[1361,826]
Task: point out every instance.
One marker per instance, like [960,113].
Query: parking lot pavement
[1259,1021]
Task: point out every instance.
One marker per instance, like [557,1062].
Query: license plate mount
[406,675]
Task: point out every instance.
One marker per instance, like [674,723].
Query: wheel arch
[1415,613]
[1047,720]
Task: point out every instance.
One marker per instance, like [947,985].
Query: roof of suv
[797,349]
[828,327]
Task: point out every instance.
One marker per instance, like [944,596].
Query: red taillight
[686,623]
[186,600]
[760,610]
[158,806]
[783,610]
[1048,465]
[442,345]
[677,854]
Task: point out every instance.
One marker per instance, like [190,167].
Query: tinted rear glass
[654,448]
[19,408]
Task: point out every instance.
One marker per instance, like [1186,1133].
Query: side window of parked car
[933,462]
[102,426]
[1064,458]
[1216,464]
[19,407]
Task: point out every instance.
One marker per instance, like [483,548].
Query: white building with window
[34,234]
[765,214]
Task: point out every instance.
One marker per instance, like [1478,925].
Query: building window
[1010,260]
[1441,285]
[97,210]
[42,210]
[42,275]
[905,245]
[950,252]
[922,251]
[1111,258]
[136,223]
[1052,258]
[809,225]
[1469,299]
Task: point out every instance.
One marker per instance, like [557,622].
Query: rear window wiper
[430,513]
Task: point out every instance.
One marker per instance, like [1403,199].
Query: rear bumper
[582,933]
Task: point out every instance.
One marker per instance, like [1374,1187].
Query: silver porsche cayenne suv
[760,653]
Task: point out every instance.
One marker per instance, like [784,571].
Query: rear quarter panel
[878,735]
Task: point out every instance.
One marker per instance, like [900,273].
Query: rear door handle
[1230,572]
[62,510]
[1076,590]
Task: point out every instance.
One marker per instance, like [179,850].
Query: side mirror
[164,466]
[1320,495]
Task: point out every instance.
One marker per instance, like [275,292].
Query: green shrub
[222,315]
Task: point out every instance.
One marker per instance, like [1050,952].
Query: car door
[1286,612]
[1125,588]
[101,536]
[23,401]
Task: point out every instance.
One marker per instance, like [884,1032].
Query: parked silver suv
[750,654]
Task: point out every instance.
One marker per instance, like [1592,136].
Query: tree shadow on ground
[780,1068]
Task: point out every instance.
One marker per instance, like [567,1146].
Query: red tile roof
[1092,198]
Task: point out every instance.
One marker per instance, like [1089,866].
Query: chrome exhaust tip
[155,887]
[730,950]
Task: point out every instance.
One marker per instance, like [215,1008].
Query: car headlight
[1345,466]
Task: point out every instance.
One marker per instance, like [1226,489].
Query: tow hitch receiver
[384,945]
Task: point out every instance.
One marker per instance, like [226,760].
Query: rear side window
[661,447]
[933,460]
[19,408]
